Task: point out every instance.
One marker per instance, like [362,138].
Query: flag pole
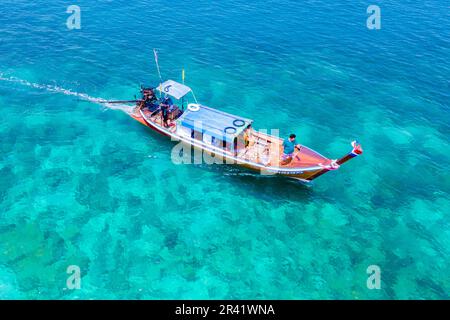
[159,72]
[192,91]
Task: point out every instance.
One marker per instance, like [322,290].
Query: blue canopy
[221,125]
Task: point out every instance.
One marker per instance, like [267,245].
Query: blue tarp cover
[214,122]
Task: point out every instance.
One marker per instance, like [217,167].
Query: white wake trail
[56,89]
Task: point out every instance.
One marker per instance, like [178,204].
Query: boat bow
[335,164]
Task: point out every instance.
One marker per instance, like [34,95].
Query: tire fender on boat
[238,123]
[230,130]
[193,107]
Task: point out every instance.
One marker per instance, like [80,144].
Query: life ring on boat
[230,130]
[193,107]
[238,123]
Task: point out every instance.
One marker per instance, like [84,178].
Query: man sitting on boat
[289,147]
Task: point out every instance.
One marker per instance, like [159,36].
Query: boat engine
[149,99]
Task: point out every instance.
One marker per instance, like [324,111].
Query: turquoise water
[84,185]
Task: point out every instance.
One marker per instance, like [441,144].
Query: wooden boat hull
[299,174]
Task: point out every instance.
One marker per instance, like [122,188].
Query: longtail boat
[224,135]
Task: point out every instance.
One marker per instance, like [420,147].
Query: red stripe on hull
[145,123]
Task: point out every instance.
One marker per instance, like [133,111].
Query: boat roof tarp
[221,125]
[174,89]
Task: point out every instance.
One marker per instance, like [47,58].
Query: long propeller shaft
[121,101]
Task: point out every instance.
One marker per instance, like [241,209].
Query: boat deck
[268,150]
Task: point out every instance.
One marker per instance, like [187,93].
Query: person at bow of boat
[289,146]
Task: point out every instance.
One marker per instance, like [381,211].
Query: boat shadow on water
[262,186]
